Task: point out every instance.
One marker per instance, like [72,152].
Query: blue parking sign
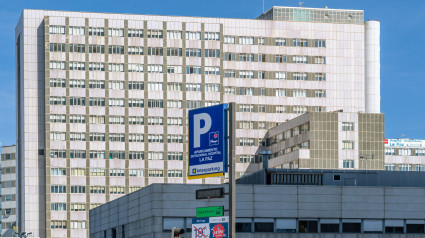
[208,141]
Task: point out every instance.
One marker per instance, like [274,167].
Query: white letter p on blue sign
[197,130]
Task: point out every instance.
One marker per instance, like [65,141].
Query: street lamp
[365,158]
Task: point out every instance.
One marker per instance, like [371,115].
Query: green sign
[209,211]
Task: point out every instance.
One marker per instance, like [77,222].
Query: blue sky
[402,47]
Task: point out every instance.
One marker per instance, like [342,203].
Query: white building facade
[102,98]
[404,155]
[8,190]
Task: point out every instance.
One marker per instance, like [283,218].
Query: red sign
[386,141]
[218,231]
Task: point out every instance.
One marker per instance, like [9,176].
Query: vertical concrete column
[372,66]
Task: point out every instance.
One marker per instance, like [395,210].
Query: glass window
[347,126]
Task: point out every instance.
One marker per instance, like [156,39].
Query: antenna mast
[300,3]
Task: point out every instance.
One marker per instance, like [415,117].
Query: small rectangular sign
[210,193]
[208,141]
[212,227]
[210,211]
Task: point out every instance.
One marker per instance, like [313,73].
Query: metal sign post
[232,165]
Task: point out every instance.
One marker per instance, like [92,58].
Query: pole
[232,165]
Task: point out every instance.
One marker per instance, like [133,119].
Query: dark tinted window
[243,227]
[307,226]
[415,228]
[264,227]
[351,227]
[330,228]
[394,229]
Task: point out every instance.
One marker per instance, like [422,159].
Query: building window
[193,70]
[174,69]
[420,167]
[77,48]
[136,85]
[320,43]
[300,93]
[156,173]
[133,50]
[57,30]
[300,76]
[389,151]
[174,35]
[175,173]
[96,31]
[116,172]
[229,40]
[348,145]
[136,155]
[193,35]
[155,34]
[300,42]
[58,206]
[320,93]
[280,42]
[136,173]
[320,77]
[244,40]
[390,167]
[97,49]
[77,66]
[405,152]
[308,226]
[155,51]
[97,154]
[116,155]
[348,164]
[280,58]
[246,108]
[420,152]
[117,32]
[57,171]
[77,30]
[78,189]
[405,167]
[320,60]
[135,33]
[78,207]
[115,67]
[57,47]
[347,126]
[136,103]
[97,189]
[299,59]
[155,155]
[97,172]
[175,156]
[246,74]
[58,189]
[280,109]
[57,65]
[174,51]
[96,67]
[58,154]
[58,224]
[212,36]
[246,142]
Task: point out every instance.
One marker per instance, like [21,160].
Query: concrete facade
[8,190]
[353,211]
[102,98]
[328,140]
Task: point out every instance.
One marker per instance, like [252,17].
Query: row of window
[115,137]
[132,155]
[96,172]
[158,86]
[189,35]
[404,151]
[54,224]
[208,70]
[405,167]
[61,118]
[345,126]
